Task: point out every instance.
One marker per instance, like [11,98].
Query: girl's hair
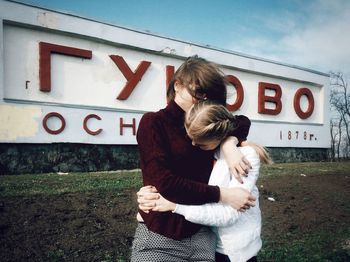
[201,78]
[207,121]
[261,151]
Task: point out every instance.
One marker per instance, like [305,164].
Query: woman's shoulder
[151,117]
[149,121]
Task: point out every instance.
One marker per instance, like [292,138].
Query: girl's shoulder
[248,150]
[250,154]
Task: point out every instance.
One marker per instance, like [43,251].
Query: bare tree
[340,105]
[346,149]
[340,137]
[334,138]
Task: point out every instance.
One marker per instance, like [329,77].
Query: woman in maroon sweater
[180,171]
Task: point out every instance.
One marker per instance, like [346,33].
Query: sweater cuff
[216,192]
[179,209]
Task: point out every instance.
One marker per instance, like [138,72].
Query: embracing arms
[213,214]
[154,155]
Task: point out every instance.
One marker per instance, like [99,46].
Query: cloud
[320,41]
[324,42]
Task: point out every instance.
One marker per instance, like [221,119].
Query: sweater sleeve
[218,214]
[250,180]
[156,171]
[242,130]
[213,214]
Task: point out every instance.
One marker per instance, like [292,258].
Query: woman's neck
[185,105]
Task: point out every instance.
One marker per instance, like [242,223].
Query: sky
[314,34]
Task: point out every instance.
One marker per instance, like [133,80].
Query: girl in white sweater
[238,232]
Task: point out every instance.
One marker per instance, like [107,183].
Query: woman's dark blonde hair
[201,78]
[207,121]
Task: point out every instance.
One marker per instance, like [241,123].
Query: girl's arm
[149,199]
[238,164]
[215,214]
[236,161]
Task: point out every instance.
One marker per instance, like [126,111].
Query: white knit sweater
[238,234]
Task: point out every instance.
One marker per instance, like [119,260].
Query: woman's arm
[154,160]
[214,214]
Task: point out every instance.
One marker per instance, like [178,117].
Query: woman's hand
[237,197]
[237,163]
[149,199]
[146,197]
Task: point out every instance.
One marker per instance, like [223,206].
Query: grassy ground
[310,220]
[60,183]
[90,216]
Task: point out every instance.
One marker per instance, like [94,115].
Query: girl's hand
[237,197]
[149,199]
[237,163]
[146,197]
[163,205]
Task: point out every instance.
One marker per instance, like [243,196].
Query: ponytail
[261,151]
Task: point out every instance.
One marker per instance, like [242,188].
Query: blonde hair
[207,121]
[200,77]
[261,151]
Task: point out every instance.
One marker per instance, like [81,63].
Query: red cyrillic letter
[60,117]
[300,92]
[132,77]
[276,99]
[45,50]
[170,70]
[133,126]
[86,119]
[239,93]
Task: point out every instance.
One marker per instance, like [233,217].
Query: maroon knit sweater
[178,170]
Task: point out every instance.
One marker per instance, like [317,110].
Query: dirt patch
[71,227]
[100,226]
[311,203]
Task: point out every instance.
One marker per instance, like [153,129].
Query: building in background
[73,90]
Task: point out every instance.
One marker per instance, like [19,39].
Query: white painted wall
[90,86]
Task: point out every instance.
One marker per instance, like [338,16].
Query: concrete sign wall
[73,80]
